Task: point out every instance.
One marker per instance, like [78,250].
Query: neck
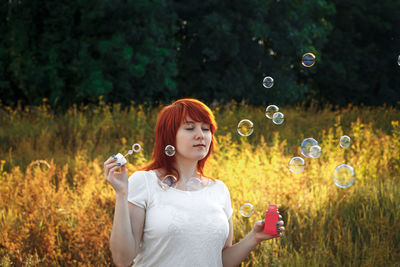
[186,169]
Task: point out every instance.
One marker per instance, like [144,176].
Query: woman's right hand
[118,180]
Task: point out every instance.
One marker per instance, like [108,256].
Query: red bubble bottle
[271,218]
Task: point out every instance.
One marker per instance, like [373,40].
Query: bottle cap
[272,208]
[121,159]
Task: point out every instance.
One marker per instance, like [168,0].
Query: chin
[203,156]
[200,157]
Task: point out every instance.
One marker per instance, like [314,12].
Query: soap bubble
[167,182]
[297,165]
[306,145]
[195,183]
[268,82]
[398,60]
[278,118]
[315,151]
[344,141]
[308,60]
[247,210]
[344,176]
[245,128]
[170,150]
[270,110]
[43,165]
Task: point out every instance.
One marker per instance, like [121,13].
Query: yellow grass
[56,208]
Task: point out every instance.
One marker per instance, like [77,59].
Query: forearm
[122,241]
[234,255]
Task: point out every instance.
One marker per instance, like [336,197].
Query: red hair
[168,122]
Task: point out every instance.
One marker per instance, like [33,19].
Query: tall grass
[56,208]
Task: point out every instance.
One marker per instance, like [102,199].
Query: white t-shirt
[182,228]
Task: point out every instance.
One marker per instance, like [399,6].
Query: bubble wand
[121,160]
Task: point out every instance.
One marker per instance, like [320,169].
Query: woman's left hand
[258,230]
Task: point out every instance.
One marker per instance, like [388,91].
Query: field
[56,208]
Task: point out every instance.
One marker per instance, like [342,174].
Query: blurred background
[157,51]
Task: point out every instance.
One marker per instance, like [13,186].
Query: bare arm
[234,255]
[128,224]
[122,240]
[127,232]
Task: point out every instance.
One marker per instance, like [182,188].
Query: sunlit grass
[59,211]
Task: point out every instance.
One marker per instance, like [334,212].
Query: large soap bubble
[344,176]
[297,164]
[245,127]
[246,210]
[306,146]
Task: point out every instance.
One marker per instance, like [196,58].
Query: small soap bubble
[345,141]
[167,182]
[245,127]
[308,60]
[39,164]
[170,150]
[398,60]
[344,176]
[270,111]
[247,210]
[278,118]
[315,151]
[306,145]
[194,184]
[268,82]
[297,165]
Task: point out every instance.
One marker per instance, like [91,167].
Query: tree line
[72,52]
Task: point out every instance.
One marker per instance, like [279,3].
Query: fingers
[259,223]
[108,164]
[280,227]
[110,167]
[110,159]
[113,169]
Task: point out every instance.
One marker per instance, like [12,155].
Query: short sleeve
[138,192]
[228,205]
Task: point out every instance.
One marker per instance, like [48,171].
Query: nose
[199,134]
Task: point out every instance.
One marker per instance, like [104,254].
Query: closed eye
[204,129]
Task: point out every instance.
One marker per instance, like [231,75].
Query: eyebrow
[193,122]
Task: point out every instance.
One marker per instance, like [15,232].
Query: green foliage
[157,51]
[227,49]
[359,63]
[74,51]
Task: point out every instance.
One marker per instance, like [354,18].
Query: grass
[56,208]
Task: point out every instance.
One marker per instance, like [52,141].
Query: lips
[200,145]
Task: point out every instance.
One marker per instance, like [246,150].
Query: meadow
[56,208]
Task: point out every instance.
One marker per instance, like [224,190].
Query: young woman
[160,219]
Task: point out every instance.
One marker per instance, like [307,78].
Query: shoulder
[221,185]
[139,175]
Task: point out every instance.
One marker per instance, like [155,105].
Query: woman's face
[193,139]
